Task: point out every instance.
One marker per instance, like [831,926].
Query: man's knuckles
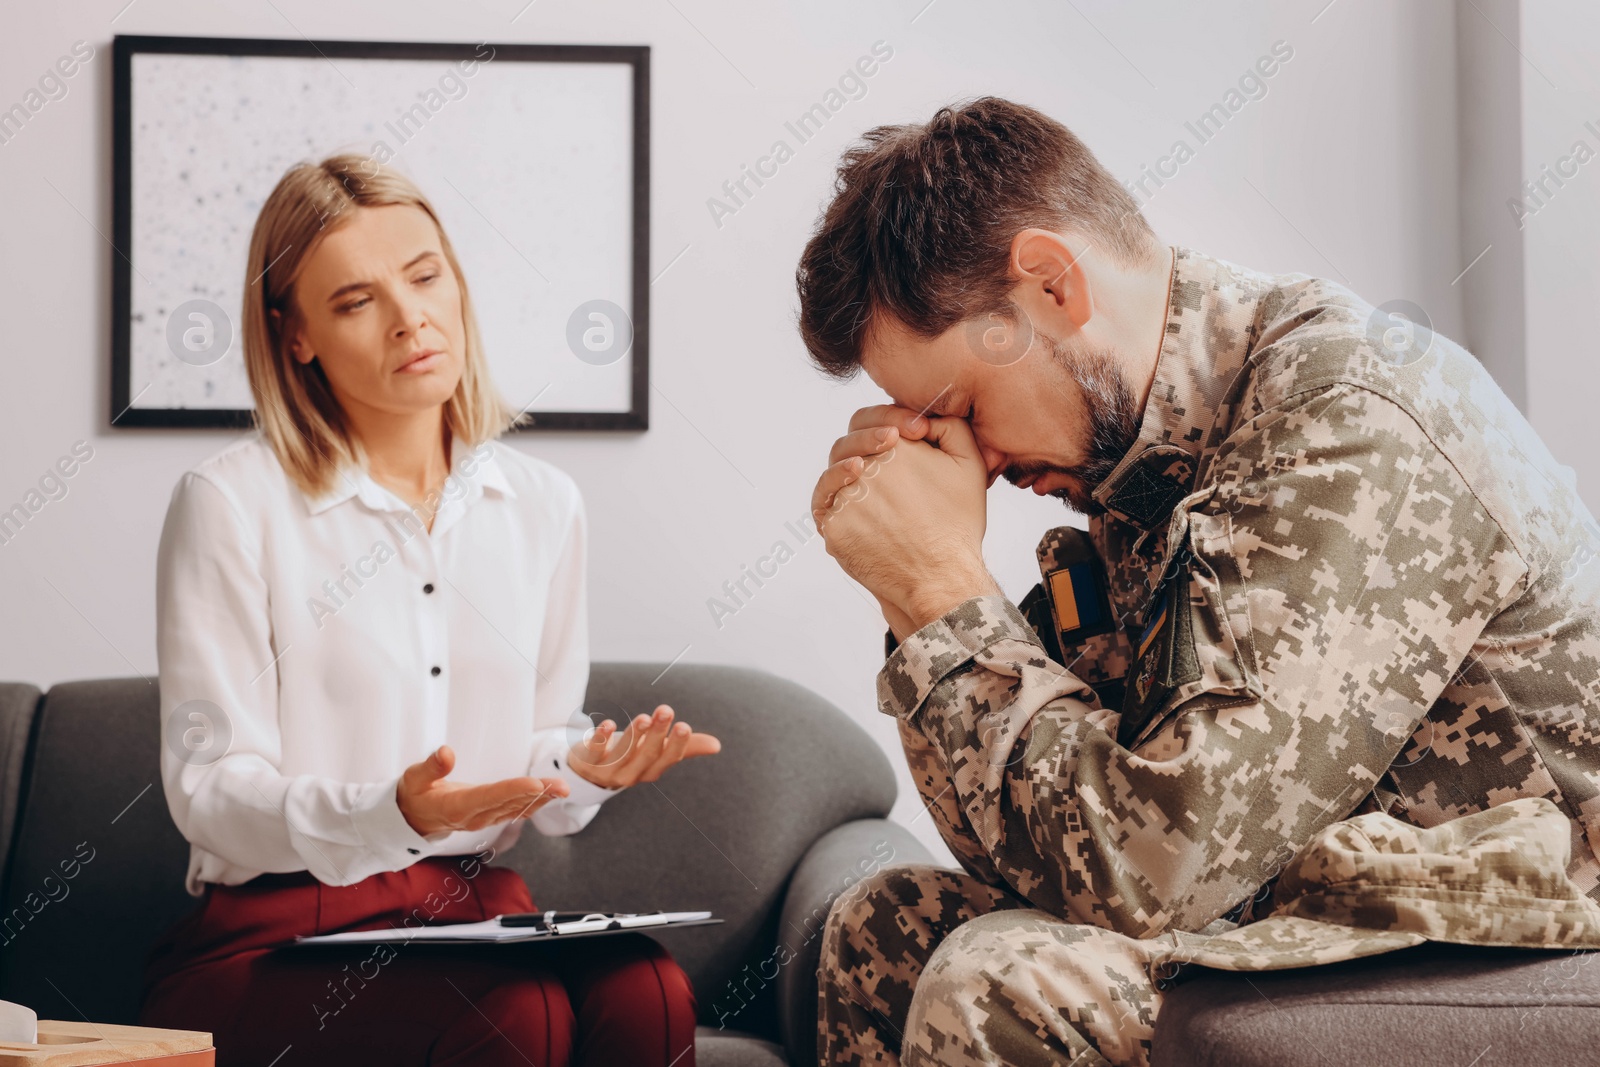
[862,443]
[908,422]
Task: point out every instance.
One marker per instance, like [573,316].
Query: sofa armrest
[18,704]
[836,861]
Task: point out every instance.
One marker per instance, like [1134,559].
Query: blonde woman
[372,635]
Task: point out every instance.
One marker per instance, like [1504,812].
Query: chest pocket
[1193,635]
[1164,656]
[1071,612]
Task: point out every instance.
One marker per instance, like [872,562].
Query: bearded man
[1329,570]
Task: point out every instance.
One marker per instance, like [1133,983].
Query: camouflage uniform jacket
[1337,574]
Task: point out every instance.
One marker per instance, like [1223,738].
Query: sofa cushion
[97,866]
[1435,1003]
[730,1048]
[721,833]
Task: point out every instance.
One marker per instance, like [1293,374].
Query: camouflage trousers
[929,966]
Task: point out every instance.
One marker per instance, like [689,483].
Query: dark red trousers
[612,1000]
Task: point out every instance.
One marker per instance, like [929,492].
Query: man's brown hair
[922,218]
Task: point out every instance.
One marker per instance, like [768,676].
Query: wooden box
[64,1044]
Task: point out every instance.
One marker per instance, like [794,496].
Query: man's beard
[1113,425]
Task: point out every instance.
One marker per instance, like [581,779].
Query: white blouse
[311,649]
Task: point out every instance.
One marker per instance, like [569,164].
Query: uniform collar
[1209,333]
[352,480]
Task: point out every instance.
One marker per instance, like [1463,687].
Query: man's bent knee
[881,931]
[1024,988]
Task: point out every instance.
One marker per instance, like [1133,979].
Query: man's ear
[297,347]
[1052,280]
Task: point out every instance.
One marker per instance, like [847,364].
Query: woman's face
[374,295]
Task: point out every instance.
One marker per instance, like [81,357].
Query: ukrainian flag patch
[1078,602]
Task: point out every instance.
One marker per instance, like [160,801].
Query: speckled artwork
[527,163]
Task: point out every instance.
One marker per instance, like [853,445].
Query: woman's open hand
[641,753]
[430,804]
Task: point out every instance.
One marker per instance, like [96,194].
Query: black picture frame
[125,46]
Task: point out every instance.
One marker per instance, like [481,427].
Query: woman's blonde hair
[296,409]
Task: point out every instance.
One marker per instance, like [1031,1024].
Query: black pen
[541,918]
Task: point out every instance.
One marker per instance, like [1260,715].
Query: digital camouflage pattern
[1372,883]
[924,965]
[995,981]
[1348,579]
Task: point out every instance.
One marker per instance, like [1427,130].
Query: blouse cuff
[580,791]
[384,829]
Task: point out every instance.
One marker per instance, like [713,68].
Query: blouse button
[428,588]
[435,671]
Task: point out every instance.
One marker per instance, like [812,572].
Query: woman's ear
[297,348]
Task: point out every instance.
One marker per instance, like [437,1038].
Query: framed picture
[536,158]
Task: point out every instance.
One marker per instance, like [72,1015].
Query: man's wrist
[927,604]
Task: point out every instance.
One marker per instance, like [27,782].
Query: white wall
[1345,168]
[1560,95]
[1489,122]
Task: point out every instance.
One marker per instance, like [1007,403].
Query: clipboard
[517,928]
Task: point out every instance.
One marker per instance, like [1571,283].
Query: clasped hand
[902,507]
[642,753]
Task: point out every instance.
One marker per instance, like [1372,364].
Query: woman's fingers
[509,813]
[680,747]
[701,745]
[651,740]
[499,816]
[437,764]
[430,804]
[626,753]
[517,809]
[551,789]
[475,806]
[671,752]
[417,784]
[594,750]
[597,740]
[648,746]
[693,744]
[647,734]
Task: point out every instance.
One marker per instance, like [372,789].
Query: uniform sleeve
[219,715]
[1328,587]
[563,681]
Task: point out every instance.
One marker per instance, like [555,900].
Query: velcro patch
[1164,658]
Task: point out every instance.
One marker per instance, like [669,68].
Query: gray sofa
[766,835]
[1453,1005]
